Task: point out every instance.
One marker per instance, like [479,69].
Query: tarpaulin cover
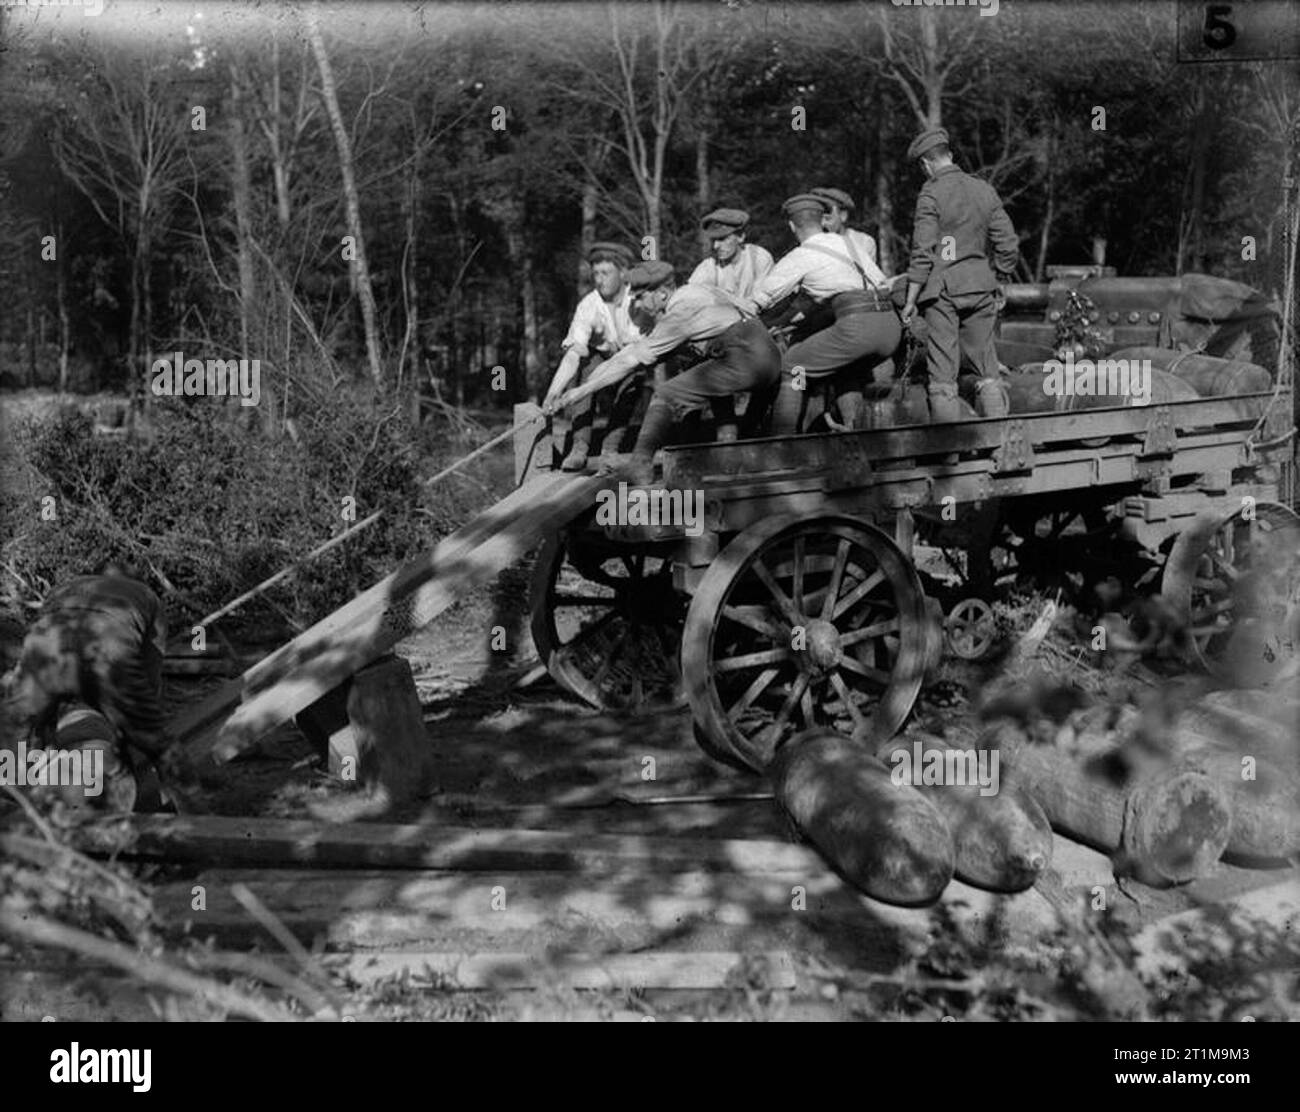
[1223,318]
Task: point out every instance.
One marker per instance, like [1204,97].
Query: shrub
[213,506]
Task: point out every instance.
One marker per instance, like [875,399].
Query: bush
[214,506]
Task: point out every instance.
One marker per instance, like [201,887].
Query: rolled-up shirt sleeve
[585,321]
[672,330]
[925,237]
[783,279]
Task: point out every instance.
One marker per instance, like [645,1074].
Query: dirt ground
[532,757]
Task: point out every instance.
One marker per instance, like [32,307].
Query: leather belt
[846,304]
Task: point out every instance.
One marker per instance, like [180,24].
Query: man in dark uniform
[740,355]
[99,640]
[865,330]
[950,279]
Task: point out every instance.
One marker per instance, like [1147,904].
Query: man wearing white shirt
[601,326]
[866,328]
[734,266]
[839,211]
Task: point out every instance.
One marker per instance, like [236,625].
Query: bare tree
[656,55]
[120,141]
[360,269]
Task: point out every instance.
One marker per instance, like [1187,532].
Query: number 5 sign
[1242,31]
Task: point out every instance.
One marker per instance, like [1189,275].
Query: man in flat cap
[950,277]
[739,355]
[734,265]
[839,211]
[601,326]
[866,329]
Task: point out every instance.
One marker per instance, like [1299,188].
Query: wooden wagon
[796,599]
[799,602]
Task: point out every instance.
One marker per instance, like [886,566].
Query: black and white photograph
[650,511]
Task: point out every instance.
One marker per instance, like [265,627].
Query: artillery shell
[1002,841]
[1265,805]
[884,838]
[1261,721]
[1173,820]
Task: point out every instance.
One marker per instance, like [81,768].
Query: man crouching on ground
[99,639]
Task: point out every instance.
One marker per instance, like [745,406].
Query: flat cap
[649,276]
[835,196]
[610,252]
[927,140]
[722,222]
[804,202]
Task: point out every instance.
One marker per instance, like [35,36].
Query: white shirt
[599,326]
[821,275]
[861,246]
[739,276]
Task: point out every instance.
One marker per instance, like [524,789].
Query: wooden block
[393,754]
[343,754]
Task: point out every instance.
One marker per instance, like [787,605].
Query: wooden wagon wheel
[1235,579]
[971,629]
[801,623]
[607,623]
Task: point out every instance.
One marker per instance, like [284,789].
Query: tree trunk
[885,233]
[139,398]
[934,71]
[590,209]
[279,169]
[1044,238]
[360,270]
[31,343]
[703,187]
[241,192]
[65,319]
[410,287]
[521,263]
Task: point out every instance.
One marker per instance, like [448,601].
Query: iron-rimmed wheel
[971,628]
[1235,579]
[607,623]
[801,623]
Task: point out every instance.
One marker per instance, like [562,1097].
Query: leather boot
[582,416]
[655,431]
[943,403]
[851,404]
[991,398]
[576,460]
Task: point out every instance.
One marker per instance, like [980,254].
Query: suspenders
[830,252]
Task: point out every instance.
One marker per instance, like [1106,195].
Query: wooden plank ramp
[317,660]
